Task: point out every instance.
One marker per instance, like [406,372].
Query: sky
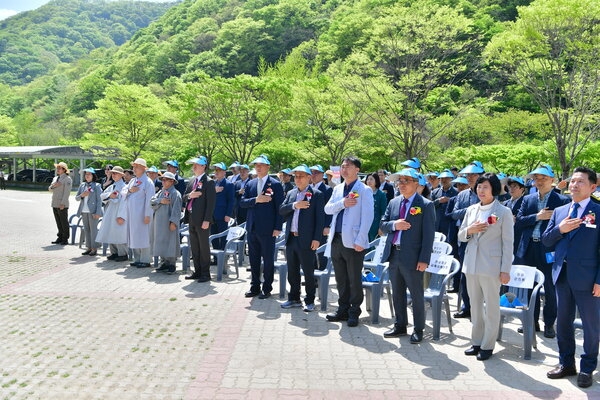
[8,8]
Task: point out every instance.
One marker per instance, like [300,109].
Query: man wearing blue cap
[532,220]
[173,167]
[413,163]
[409,222]
[304,214]
[285,177]
[239,188]
[440,197]
[516,191]
[385,186]
[463,200]
[262,197]
[152,173]
[352,208]
[235,172]
[461,183]
[223,206]
[199,198]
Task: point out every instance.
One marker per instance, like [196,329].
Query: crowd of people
[492,221]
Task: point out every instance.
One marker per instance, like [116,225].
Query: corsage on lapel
[415,211]
[492,219]
[308,195]
[353,195]
[589,220]
[269,190]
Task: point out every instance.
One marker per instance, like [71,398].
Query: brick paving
[80,327]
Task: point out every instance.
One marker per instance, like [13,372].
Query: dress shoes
[163,268]
[85,253]
[264,295]
[473,350]
[336,317]
[57,241]
[484,355]
[396,331]
[112,257]
[93,253]
[134,264]
[204,279]
[549,332]
[416,337]
[463,314]
[143,265]
[352,322]
[171,270]
[251,293]
[193,276]
[561,371]
[64,243]
[122,258]
[584,380]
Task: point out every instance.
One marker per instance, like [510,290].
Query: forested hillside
[511,83]
[35,42]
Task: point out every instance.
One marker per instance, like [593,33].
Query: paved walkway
[80,327]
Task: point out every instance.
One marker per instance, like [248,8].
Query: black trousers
[62,223]
[348,265]
[297,258]
[200,246]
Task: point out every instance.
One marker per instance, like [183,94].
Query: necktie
[191,201]
[574,210]
[259,186]
[401,216]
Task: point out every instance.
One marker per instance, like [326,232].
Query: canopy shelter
[27,156]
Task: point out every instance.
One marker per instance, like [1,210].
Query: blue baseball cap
[460,179]
[90,170]
[262,159]
[422,180]
[302,168]
[235,164]
[152,169]
[501,175]
[172,163]
[201,160]
[446,174]
[244,166]
[543,169]
[474,168]
[317,167]
[410,172]
[220,165]
[286,171]
[516,179]
[433,173]
[412,163]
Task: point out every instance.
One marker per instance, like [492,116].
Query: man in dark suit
[262,197]
[441,196]
[200,197]
[240,186]
[173,167]
[573,233]
[285,177]
[318,183]
[409,223]
[532,220]
[223,206]
[303,209]
[385,186]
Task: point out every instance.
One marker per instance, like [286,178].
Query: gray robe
[110,231]
[165,243]
[137,207]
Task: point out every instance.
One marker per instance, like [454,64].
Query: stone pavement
[80,327]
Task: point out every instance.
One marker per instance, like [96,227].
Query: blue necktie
[574,210]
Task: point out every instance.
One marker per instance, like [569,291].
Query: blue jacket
[263,218]
[310,220]
[225,200]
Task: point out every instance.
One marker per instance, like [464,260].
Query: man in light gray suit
[351,205]
[409,222]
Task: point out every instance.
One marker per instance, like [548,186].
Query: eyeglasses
[405,181]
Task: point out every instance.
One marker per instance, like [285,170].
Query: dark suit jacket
[526,218]
[327,192]
[515,206]
[441,221]
[388,189]
[204,206]
[225,200]
[263,218]
[579,248]
[310,220]
[417,242]
[240,213]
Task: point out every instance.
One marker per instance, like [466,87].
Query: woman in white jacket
[488,230]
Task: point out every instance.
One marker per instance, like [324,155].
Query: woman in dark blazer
[90,209]
[488,230]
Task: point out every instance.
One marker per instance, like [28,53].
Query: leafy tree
[8,133]
[552,51]
[130,118]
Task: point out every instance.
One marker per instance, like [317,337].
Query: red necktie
[189,204]
[401,216]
